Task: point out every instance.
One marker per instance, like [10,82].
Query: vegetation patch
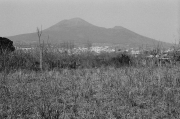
[144,92]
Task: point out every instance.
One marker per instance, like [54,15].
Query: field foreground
[102,93]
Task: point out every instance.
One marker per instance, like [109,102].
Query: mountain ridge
[81,31]
[74,22]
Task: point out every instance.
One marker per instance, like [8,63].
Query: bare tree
[88,44]
[39,33]
[71,46]
[178,36]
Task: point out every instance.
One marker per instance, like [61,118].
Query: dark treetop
[6,45]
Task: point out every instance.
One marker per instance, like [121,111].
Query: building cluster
[78,50]
[99,49]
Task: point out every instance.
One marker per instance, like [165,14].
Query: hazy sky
[158,19]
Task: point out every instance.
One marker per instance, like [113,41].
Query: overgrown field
[91,93]
[57,60]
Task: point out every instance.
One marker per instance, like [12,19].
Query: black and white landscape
[89,59]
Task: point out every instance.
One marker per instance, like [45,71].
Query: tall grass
[93,93]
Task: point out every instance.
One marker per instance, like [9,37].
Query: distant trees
[67,46]
[88,44]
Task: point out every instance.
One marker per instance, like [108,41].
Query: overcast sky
[158,19]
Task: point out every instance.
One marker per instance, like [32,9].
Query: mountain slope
[80,31]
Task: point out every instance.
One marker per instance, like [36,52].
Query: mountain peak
[118,27]
[74,22]
[77,19]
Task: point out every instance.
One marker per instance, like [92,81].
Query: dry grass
[103,93]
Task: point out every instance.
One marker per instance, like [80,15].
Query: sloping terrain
[79,31]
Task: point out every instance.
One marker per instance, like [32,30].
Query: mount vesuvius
[80,31]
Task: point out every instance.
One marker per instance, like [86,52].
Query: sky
[157,19]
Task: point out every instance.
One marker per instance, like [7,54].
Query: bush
[56,60]
[121,60]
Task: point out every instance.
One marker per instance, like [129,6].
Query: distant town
[71,49]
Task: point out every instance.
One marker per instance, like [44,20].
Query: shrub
[56,60]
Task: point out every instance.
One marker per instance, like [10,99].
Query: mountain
[80,31]
[70,23]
